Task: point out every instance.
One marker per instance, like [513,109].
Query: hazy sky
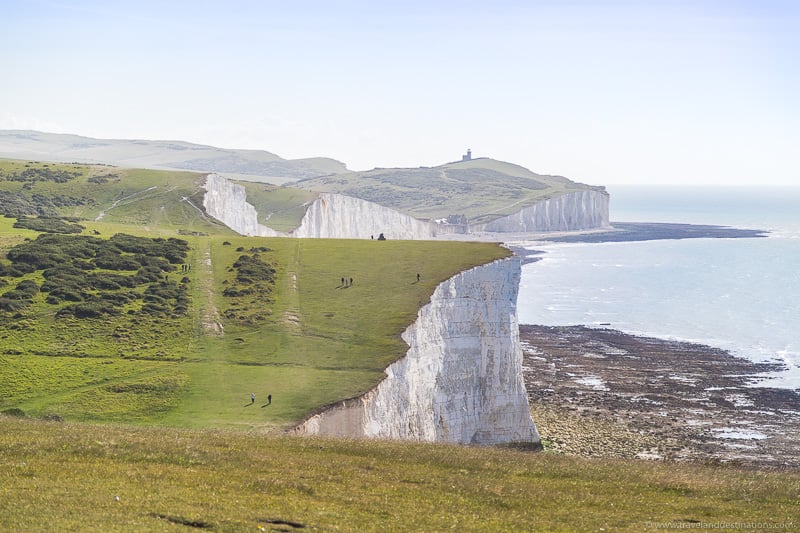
[604,92]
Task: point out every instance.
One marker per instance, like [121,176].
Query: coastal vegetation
[71,476]
[478,190]
[153,314]
[129,349]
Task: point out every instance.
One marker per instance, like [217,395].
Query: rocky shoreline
[601,392]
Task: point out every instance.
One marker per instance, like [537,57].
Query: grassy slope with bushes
[291,331]
[217,317]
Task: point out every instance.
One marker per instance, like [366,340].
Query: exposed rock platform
[601,392]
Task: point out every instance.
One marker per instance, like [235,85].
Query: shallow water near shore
[742,295]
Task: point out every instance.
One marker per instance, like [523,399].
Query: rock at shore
[601,392]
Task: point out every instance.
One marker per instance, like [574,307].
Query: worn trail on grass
[212,325]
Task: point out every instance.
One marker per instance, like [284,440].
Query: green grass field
[65,476]
[308,341]
[159,431]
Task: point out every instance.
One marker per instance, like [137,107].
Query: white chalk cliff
[330,216]
[461,379]
[334,216]
[227,202]
[573,211]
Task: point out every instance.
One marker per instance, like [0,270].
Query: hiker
[417,277]
[342,282]
[269,399]
[351,282]
[252,398]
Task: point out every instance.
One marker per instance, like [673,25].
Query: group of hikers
[253,399]
[346,282]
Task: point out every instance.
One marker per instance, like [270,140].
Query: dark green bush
[233,292]
[252,268]
[11,305]
[48,225]
[66,262]
[112,260]
[68,294]
[88,310]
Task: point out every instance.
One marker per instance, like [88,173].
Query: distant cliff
[572,211]
[330,216]
[336,216]
[227,202]
[461,379]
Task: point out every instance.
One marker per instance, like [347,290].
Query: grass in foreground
[64,476]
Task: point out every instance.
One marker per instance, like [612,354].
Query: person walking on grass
[252,398]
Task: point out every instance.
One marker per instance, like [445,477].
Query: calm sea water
[742,295]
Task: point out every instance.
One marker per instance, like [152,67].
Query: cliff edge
[461,379]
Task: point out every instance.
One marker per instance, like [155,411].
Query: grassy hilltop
[257,165]
[480,189]
[181,320]
[139,327]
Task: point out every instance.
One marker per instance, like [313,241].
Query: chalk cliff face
[569,212]
[333,216]
[461,379]
[227,202]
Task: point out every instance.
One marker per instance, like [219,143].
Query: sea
[742,295]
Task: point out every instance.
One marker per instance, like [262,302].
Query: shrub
[110,281]
[28,285]
[118,298]
[12,305]
[88,310]
[233,292]
[112,260]
[252,268]
[25,290]
[48,225]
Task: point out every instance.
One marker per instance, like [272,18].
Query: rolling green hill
[256,165]
[476,191]
[122,306]
[479,189]
[129,305]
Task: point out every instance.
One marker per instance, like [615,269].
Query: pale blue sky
[604,92]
